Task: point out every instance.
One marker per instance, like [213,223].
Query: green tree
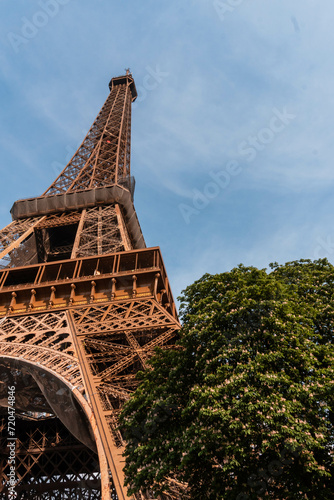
[243,407]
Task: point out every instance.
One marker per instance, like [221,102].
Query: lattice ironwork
[43,339]
[103,231]
[129,315]
[50,463]
[63,219]
[38,357]
[95,231]
[17,242]
[118,339]
[104,155]
[14,231]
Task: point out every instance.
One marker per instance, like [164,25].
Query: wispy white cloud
[224,79]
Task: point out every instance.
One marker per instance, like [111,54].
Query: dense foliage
[243,408]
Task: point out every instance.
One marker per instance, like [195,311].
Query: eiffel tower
[83,304]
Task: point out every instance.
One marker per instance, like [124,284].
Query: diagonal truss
[14,238]
[47,449]
[42,339]
[38,357]
[97,349]
[103,158]
[102,230]
[117,339]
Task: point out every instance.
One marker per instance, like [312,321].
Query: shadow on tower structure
[83,304]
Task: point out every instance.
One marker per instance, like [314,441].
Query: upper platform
[125,80]
[79,200]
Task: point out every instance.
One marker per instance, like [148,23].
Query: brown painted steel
[83,304]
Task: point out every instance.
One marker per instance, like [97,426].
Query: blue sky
[232,135]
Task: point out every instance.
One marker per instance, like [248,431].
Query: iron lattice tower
[83,304]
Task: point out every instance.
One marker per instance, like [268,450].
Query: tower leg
[112,453]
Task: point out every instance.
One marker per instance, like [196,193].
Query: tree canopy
[243,407]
